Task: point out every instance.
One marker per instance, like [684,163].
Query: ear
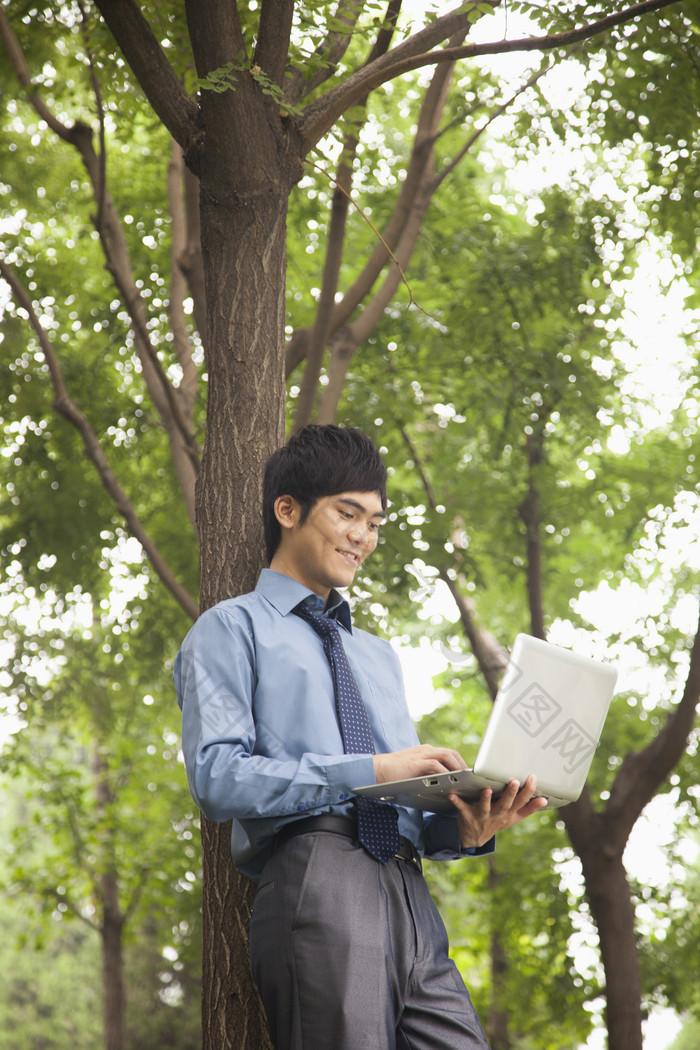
[286,511]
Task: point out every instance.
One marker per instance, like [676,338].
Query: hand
[477,822]
[420,761]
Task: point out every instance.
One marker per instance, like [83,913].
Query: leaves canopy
[505,389]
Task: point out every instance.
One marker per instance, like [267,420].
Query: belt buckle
[414,857]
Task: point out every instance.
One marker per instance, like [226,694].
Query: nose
[360,533]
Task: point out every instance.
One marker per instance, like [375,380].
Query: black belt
[346,826]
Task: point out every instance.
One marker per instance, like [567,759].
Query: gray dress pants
[350,954]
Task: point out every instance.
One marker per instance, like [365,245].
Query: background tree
[40,981]
[484,428]
[84,847]
[245,141]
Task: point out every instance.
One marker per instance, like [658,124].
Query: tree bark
[112,964]
[497,1025]
[244,259]
[112,925]
[232,1014]
[243,229]
[608,893]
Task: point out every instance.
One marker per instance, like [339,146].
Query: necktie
[377,822]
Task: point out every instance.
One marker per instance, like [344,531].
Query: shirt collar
[284,594]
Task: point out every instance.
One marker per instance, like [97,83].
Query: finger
[434,766]
[533,806]
[469,809]
[451,759]
[526,793]
[466,809]
[509,793]
[485,802]
[517,815]
[459,804]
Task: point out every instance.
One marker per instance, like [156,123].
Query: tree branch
[478,132]
[350,337]
[101,183]
[167,96]
[318,336]
[329,284]
[65,405]
[642,772]
[402,228]
[21,69]
[114,245]
[329,52]
[136,893]
[530,512]
[70,905]
[490,656]
[298,345]
[187,390]
[320,115]
[419,192]
[272,45]
[215,33]
[190,260]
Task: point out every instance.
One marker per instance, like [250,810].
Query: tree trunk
[612,909]
[499,1035]
[112,926]
[244,259]
[114,1003]
[598,838]
[232,1014]
[244,255]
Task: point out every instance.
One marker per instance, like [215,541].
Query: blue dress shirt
[260,734]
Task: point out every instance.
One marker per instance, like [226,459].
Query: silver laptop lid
[547,718]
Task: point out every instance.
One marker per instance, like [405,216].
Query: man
[284,703]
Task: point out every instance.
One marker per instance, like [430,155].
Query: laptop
[547,719]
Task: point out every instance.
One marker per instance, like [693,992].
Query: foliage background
[517,330]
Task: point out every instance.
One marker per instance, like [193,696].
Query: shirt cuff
[350,772]
[480,851]
[442,841]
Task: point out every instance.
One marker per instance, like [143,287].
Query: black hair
[319,461]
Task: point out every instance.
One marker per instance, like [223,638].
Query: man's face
[333,542]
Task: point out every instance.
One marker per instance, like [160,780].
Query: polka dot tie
[377,822]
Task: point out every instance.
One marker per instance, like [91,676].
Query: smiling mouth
[349,557]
